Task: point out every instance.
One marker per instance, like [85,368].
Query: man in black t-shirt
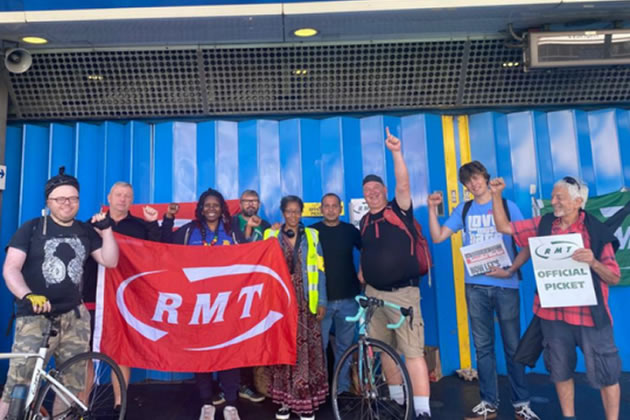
[44,269]
[120,198]
[338,240]
[392,274]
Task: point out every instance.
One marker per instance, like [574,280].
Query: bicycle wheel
[98,394]
[370,398]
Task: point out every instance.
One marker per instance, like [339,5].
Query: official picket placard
[561,280]
[482,257]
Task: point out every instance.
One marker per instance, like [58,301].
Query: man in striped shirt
[589,327]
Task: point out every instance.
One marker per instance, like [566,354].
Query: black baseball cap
[60,180]
[373,178]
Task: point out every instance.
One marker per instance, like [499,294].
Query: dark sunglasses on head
[572,181]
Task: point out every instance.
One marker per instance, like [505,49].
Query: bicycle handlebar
[370,302]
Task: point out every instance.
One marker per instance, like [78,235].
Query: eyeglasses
[62,200]
[249,201]
[572,181]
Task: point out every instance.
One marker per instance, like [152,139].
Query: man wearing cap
[44,269]
[392,273]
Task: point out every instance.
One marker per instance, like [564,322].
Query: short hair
[250,192]
[287,199]
[469,169]
[120,184]
[331,194]
[575,188]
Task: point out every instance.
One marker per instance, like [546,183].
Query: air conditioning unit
[578,48]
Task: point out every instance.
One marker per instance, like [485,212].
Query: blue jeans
[483,302]
[336,312]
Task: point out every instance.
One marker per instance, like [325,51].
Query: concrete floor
[451,399]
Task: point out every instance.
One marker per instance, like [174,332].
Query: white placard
[358,207]
[561,280]
[482,257]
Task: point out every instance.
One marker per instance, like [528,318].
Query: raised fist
[497,185]
[434,199]
[172,210]
[254,221]
[150,214]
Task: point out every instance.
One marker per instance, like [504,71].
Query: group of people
[51,261]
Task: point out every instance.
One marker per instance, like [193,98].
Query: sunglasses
[572,181]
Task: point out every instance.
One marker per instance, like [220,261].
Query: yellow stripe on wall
[452,196]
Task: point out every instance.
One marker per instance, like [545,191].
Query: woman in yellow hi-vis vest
[302,388]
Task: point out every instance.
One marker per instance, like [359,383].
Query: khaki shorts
[404,339]
[72,338]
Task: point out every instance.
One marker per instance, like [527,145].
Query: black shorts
[603,365]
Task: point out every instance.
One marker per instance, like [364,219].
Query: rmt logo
[214,298]
[556,250]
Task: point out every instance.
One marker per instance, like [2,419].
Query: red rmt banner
[195,308]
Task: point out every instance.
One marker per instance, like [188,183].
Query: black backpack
[465,210]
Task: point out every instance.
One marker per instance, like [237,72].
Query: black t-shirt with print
[54,261]
[337,244]
[387,260]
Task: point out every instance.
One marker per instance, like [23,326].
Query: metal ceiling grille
[297,79]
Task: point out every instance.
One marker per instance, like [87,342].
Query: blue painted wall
[533,149]
[178,160]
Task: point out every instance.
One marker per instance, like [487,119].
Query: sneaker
[230,413]
[307,416]
[218,399]
[524,412]
[249,394]
[207,412]
[283,413]
[482,411]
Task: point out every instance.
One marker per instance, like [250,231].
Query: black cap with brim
[373,178]
[60,180]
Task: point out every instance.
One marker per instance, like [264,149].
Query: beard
[249,212]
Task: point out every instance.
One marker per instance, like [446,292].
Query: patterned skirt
[303,387]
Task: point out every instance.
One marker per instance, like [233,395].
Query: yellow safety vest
[314,263]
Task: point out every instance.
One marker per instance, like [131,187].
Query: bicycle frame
[36,378]
[363,318]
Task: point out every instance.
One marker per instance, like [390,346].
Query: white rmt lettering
[167,303]
[249,292]
[207,312]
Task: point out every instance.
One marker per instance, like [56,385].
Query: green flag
[604,207]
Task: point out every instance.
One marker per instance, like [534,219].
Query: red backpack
[419,244]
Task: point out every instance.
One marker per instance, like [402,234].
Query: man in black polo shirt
[120,198]
[392,273]
[338,240]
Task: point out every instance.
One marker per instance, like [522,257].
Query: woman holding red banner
[302,388]
[211,227]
